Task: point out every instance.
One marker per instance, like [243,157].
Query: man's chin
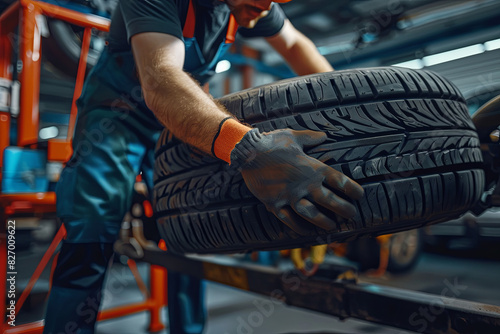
[246,23]
[249,23]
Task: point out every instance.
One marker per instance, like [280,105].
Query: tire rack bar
[342,298]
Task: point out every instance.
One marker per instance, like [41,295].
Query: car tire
[404,135]
[62,49]
[404,251]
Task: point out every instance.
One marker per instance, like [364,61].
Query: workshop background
[459,39]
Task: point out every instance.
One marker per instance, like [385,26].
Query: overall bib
[114,140]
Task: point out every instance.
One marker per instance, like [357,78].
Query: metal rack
[334,290]
[23,15]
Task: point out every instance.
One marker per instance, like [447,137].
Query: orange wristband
[230,133]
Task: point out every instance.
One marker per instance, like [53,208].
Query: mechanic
[158,54]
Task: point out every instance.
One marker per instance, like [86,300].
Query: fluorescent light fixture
[447,56]
[415,64]
[49,132]
[453,55]
[222,66]
[492,45]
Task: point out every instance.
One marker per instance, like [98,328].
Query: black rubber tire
[62,49]
[63,46]
[405,135]
[400,266]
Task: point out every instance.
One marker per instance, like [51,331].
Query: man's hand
[290,183]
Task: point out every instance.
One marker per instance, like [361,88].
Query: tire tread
[405,135]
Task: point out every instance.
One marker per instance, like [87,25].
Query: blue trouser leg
[77,293]
[186,309]
[93,195]
[77,288]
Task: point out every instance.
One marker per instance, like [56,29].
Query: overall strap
[231,30]
[188,30]
[189,25]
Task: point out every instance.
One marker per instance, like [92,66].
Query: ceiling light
[453,55]
[415,64]
[492,45]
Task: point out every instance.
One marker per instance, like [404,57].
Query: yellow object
[296,257]
[495,136]
[382,239]
[317,256]
[349,275]
[385,244]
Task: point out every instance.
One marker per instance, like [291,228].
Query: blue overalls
[114,140]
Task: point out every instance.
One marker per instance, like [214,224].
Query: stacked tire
[404,135]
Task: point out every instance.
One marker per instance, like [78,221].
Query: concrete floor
[228,308]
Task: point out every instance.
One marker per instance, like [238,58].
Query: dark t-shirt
[168,17]
[114,82]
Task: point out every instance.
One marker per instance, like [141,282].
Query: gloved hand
[290,183]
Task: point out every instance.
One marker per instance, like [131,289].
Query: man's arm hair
[175,98]
[298,51]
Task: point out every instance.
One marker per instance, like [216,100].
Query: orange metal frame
[23,14]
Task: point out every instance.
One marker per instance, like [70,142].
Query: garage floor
[229,309]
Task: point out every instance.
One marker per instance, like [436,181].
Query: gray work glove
[290,183]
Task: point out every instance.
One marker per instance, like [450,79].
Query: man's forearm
[304,57]
[181,106]
[298,51]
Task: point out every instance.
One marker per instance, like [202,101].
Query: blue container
[24,171]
